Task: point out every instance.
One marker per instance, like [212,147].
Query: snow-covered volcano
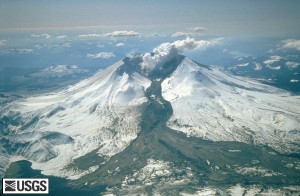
[103,113]
[215,105]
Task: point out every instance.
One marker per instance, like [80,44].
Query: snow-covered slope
[214,105]
[100,113]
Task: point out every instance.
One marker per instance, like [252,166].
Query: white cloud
[25,50]
[61,37]
[291,44]
[120,44]
[258,67]
[2,42]
[197,29]
[181,34]
[123,34]
[60,68]
[273,68]
[236,54]
[243,65]
[89,35]
[166,51]
[52,45]
[157,35]
[292,65]
[272,60]
[45,35]
[192,31]
[66,45]
[58,71]
[102,55]
[293,80]
[40,46]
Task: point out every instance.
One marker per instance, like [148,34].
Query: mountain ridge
[172,116]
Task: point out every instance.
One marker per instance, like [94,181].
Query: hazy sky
[257,17]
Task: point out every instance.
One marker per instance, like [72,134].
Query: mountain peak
[130,65]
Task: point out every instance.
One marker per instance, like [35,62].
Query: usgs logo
[25,185]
